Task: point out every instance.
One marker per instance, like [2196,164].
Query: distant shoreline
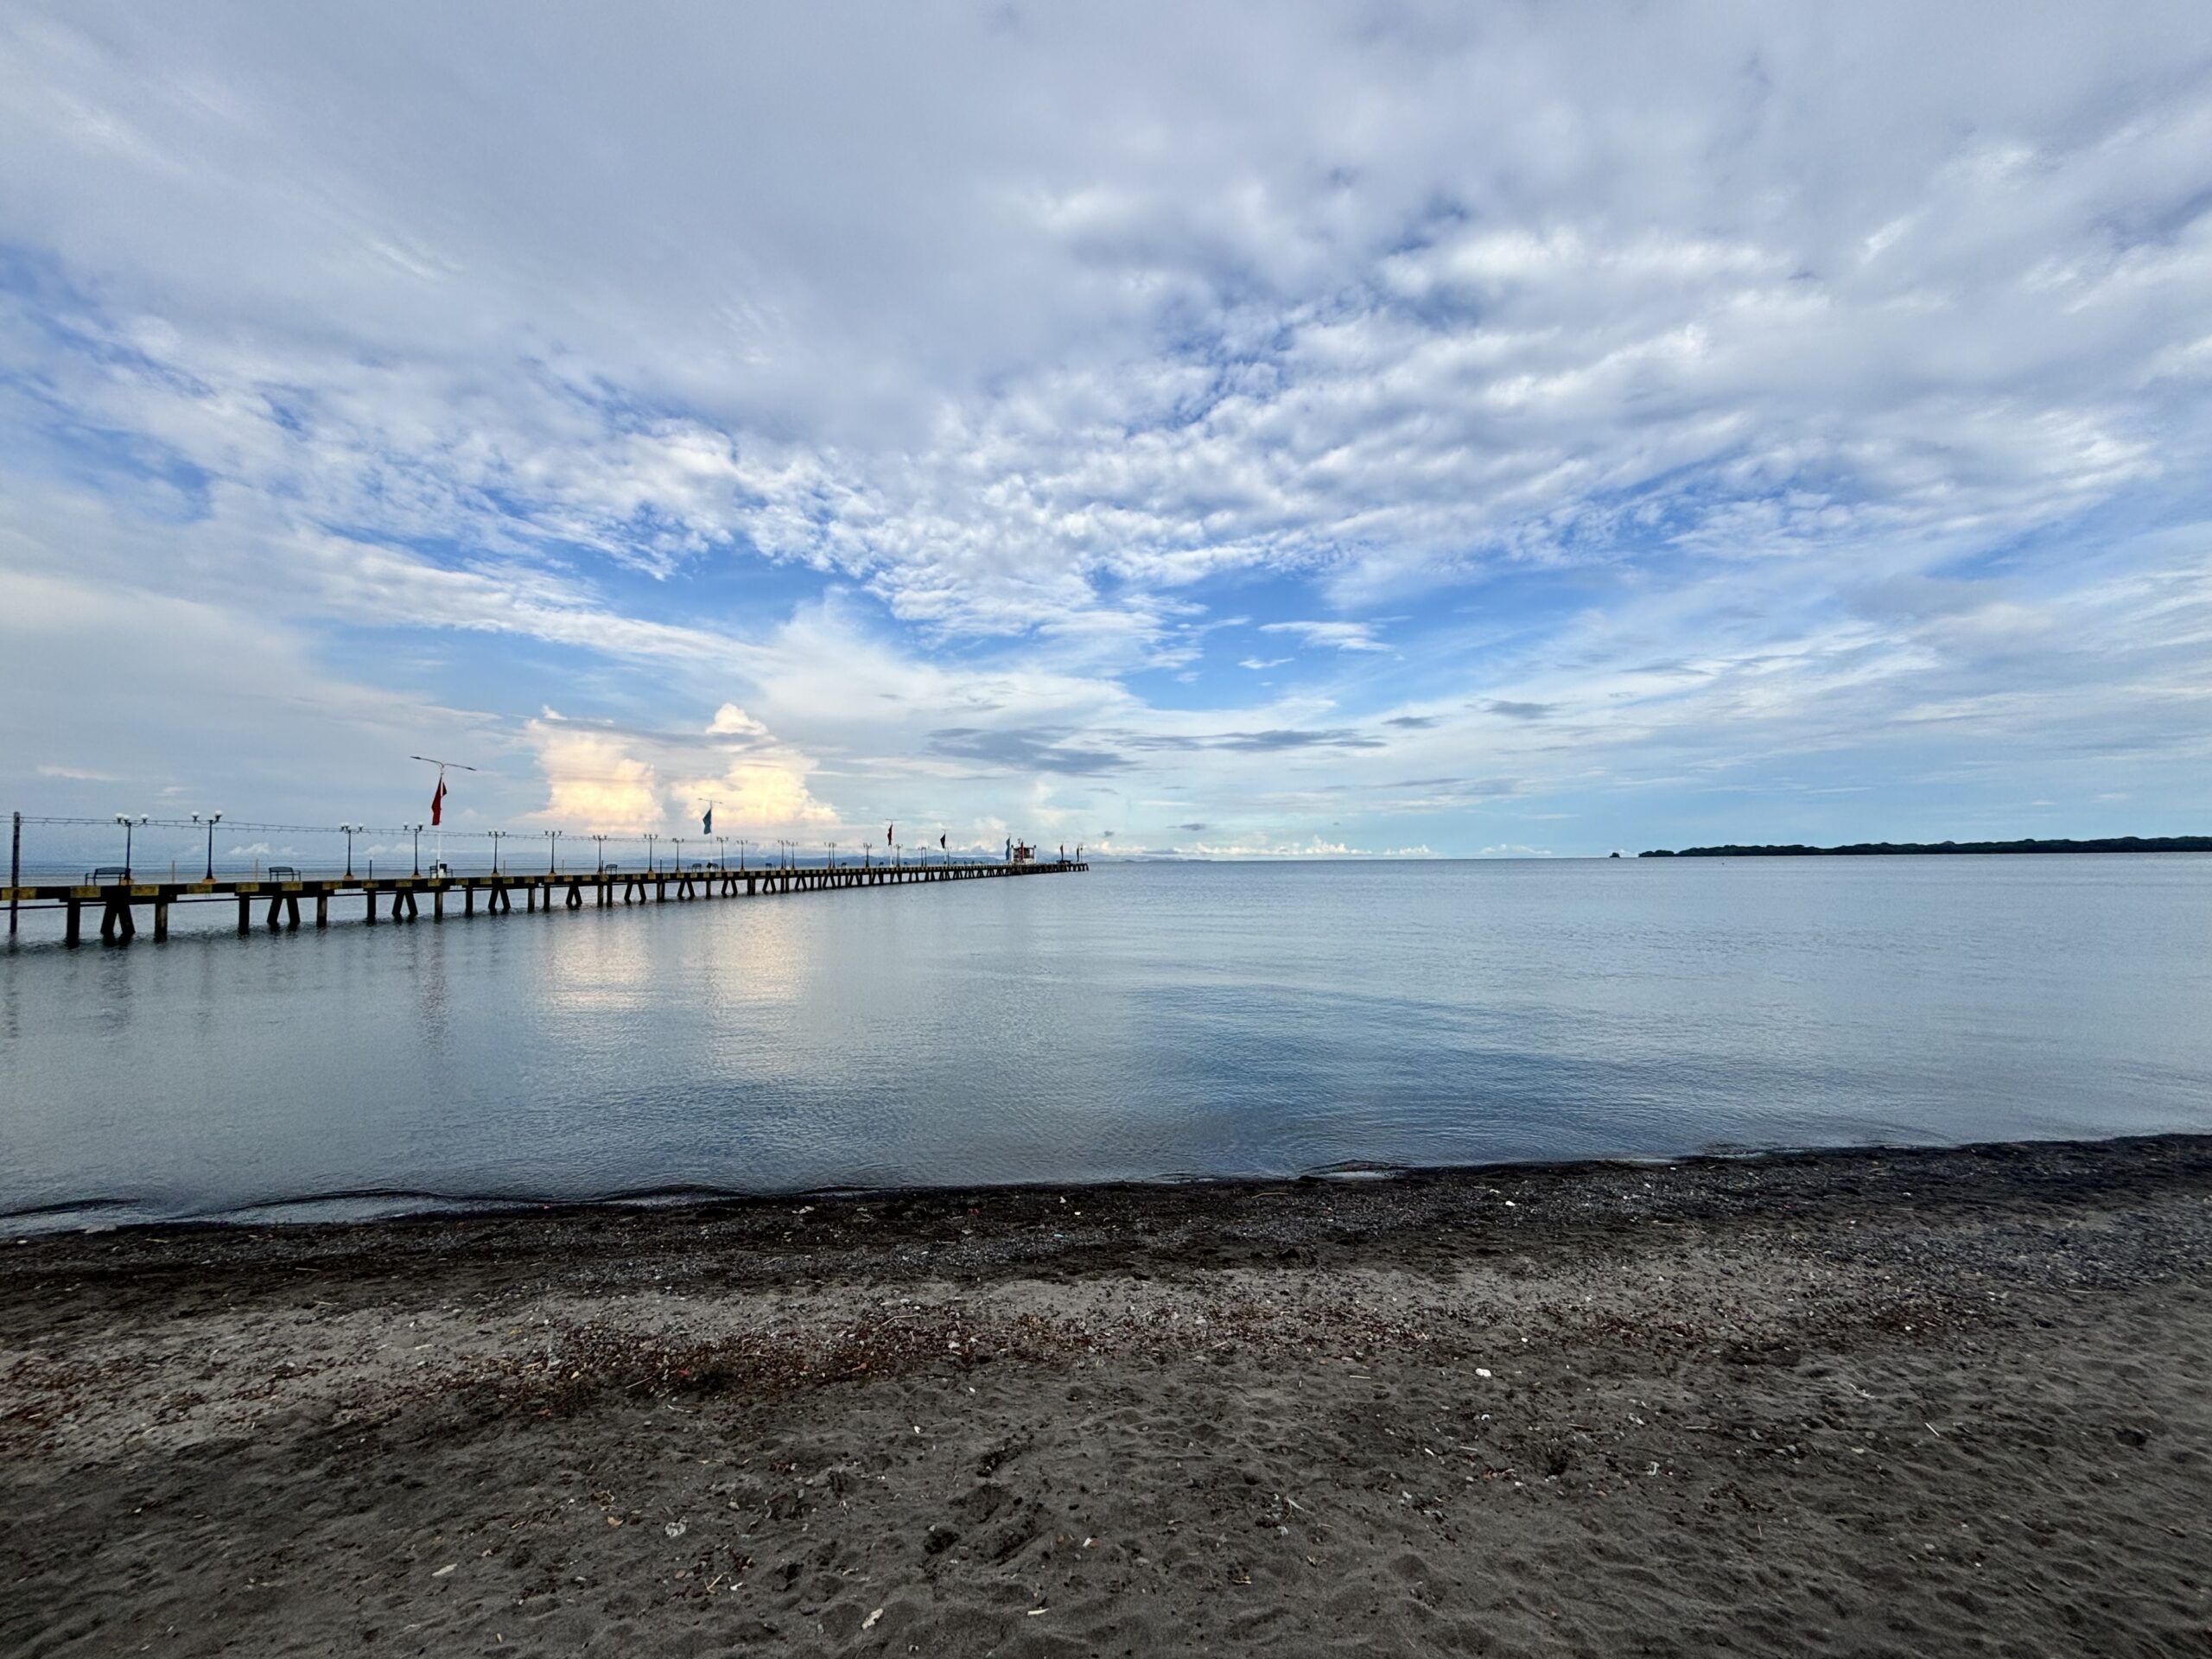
[1874,848]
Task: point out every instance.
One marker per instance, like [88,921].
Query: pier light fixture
[497,835]
[677,843]
[552,850]
[129,824]
[416,831]
[650,838]
[721,860]
[211,820]
[833,854]
[351,830]
[601,840]
[741,844]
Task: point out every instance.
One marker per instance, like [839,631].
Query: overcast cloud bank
[1368,427]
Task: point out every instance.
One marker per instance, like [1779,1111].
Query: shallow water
[1138,1022]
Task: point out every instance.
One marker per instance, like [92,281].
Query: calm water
[1138,1022]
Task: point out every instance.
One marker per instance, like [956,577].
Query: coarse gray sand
[1911,1402]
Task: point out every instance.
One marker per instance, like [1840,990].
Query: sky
[1371,430]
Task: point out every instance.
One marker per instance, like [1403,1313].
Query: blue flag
[707,824]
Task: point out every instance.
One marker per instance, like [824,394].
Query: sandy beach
[1895,1402]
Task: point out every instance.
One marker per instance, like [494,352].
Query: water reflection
[1134,1022]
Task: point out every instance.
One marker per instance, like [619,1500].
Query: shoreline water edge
[1864,1401]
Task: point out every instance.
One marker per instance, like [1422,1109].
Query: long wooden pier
[401,898]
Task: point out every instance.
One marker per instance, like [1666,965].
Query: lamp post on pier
[416,831]
[741,845]
[497,836]
[722,861]
[211,820]
[552,850]
[601,840]
[677,843]
[833,854]
[650,839]
[129,824]
[351,830]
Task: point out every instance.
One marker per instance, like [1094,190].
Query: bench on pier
[283,872]
[108,875]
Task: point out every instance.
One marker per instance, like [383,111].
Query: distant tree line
[1863,849]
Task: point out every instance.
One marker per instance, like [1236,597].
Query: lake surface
[1139,1022]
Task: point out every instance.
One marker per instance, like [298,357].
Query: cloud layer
[1372,427]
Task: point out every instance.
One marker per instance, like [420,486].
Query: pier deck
[400,897]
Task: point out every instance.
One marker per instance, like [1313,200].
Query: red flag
[887,828]
[438,801]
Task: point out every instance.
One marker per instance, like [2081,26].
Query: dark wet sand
[1906,1403]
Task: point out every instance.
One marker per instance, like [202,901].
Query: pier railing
[401,898]
[283,894]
